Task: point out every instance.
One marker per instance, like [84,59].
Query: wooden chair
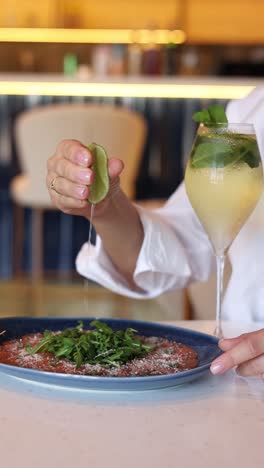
[38,131]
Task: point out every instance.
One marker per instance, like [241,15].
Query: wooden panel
[90,14]
[237,21]
[205,21]
[27,13]
[127,14]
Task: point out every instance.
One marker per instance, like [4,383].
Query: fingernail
[217,367]
[80,191]
[85,177]
[82,158]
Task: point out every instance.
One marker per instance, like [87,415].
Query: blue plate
[205,345]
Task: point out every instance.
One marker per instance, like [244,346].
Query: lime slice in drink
[100,186]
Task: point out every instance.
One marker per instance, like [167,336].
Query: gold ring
[52,184]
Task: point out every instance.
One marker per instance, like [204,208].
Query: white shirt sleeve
[175,252]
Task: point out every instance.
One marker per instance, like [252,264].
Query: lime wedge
[100,186]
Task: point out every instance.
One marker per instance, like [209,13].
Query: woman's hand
[69,178]
[246,353]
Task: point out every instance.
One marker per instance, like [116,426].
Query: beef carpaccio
[165,357]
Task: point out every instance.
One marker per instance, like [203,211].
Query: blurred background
[162,60]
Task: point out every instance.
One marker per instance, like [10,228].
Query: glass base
[218,332]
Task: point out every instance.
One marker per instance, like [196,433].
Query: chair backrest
[38,131]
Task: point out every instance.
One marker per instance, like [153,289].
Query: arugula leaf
[101,326]
[98,346]
[213,115]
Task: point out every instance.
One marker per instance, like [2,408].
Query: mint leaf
[224,149]
[213,115]
[202,116]
[212,155]
[249,153]
[217,114]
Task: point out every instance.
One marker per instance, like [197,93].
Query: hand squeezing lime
[100,186]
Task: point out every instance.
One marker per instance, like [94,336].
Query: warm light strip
[140,90]
[92,36]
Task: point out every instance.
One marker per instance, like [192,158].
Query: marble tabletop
[211,422]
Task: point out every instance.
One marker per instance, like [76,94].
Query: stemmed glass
[224,181]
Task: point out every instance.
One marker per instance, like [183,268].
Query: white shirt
[176,250]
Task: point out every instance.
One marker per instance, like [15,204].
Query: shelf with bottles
[87,61]
[170,60]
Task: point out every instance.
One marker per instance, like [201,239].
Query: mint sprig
[214,151]
[213,115]
[99,346]
[219,147]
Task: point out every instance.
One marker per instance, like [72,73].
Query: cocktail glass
[224,181]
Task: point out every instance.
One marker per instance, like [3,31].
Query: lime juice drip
[89,243]
[90,228]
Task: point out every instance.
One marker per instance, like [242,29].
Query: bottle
[70,64]
[134,60]
[170,59]
[117,60]
[152,63]
[190,62]
[100,60]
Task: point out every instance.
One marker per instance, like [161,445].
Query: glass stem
[220,264]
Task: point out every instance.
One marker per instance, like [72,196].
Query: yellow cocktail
[224,180]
